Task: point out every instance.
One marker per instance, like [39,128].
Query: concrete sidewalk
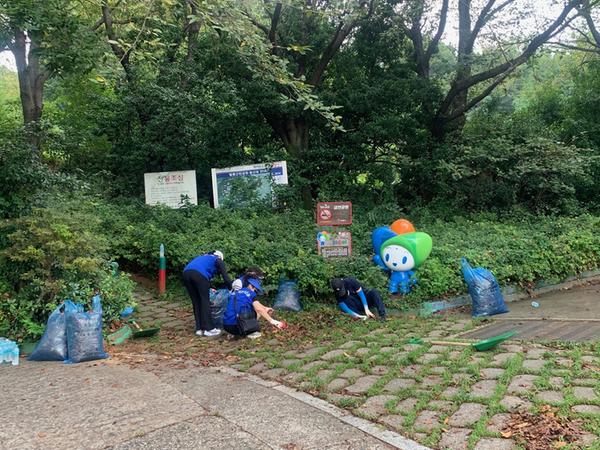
[579,303]
[108,405]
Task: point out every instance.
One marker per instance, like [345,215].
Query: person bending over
[196,278]
[356,301]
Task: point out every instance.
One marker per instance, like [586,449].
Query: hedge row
[65,250]
[519,249]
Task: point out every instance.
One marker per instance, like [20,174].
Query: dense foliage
[64,249]
[491,144]
[519,248]
[56,252]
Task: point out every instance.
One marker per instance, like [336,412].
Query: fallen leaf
[506,434]
[290,446]
[560,444]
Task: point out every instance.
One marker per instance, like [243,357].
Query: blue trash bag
[84,332]
[218,304]
[288,296]
[53,344]
[484,291]
[127,311]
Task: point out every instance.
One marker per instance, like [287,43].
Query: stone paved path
[106,404]
[171,315]
[441,395]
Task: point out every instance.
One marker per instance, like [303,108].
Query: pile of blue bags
[72,335]
[484,291]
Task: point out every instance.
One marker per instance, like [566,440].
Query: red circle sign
[325,214]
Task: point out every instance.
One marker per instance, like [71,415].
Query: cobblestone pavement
[172,315]
[443,396]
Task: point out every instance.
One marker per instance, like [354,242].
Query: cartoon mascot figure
[399,249]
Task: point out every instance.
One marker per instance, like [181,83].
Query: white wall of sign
[167,188]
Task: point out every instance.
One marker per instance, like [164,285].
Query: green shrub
[52,254]
[21,171]
[64,250]
[519,249]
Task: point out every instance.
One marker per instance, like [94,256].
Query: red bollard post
[162,271]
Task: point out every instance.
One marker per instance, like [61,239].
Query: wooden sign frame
[334,214]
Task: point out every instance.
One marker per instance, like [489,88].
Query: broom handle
[458,344]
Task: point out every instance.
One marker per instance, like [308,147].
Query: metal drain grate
[546,330]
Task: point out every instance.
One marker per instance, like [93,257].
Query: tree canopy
[363,98]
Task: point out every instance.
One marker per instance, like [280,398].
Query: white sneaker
[212,333]
[254,335]
[199,332]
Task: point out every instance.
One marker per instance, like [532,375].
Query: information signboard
[173,189]
[334,213]
[239,185]
[332,244]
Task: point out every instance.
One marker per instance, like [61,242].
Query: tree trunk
[294,134]
[32,78]
[464,63]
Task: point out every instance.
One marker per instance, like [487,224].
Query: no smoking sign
[325,214]
[334,213]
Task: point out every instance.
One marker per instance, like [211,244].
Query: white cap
[236,285]
[218,253]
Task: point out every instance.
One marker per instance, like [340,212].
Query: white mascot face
[397,258]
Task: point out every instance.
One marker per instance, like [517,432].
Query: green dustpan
[138,332]
[119,336]
[146,333]
[490,343]
[480,346]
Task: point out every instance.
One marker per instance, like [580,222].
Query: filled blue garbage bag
[484,291]
[218,302]
[53,344]
[288,296]
[84,332]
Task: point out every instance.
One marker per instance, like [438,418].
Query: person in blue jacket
[244,299]
[356,301]
[196,278]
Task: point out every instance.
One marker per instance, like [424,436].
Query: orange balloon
[402,226]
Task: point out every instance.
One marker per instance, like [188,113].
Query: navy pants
[198,288]
[375,301]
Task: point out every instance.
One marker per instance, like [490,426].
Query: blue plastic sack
[127,311]
[84,332]
[218,304]
[53,344]
[288,296]
[484,291]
